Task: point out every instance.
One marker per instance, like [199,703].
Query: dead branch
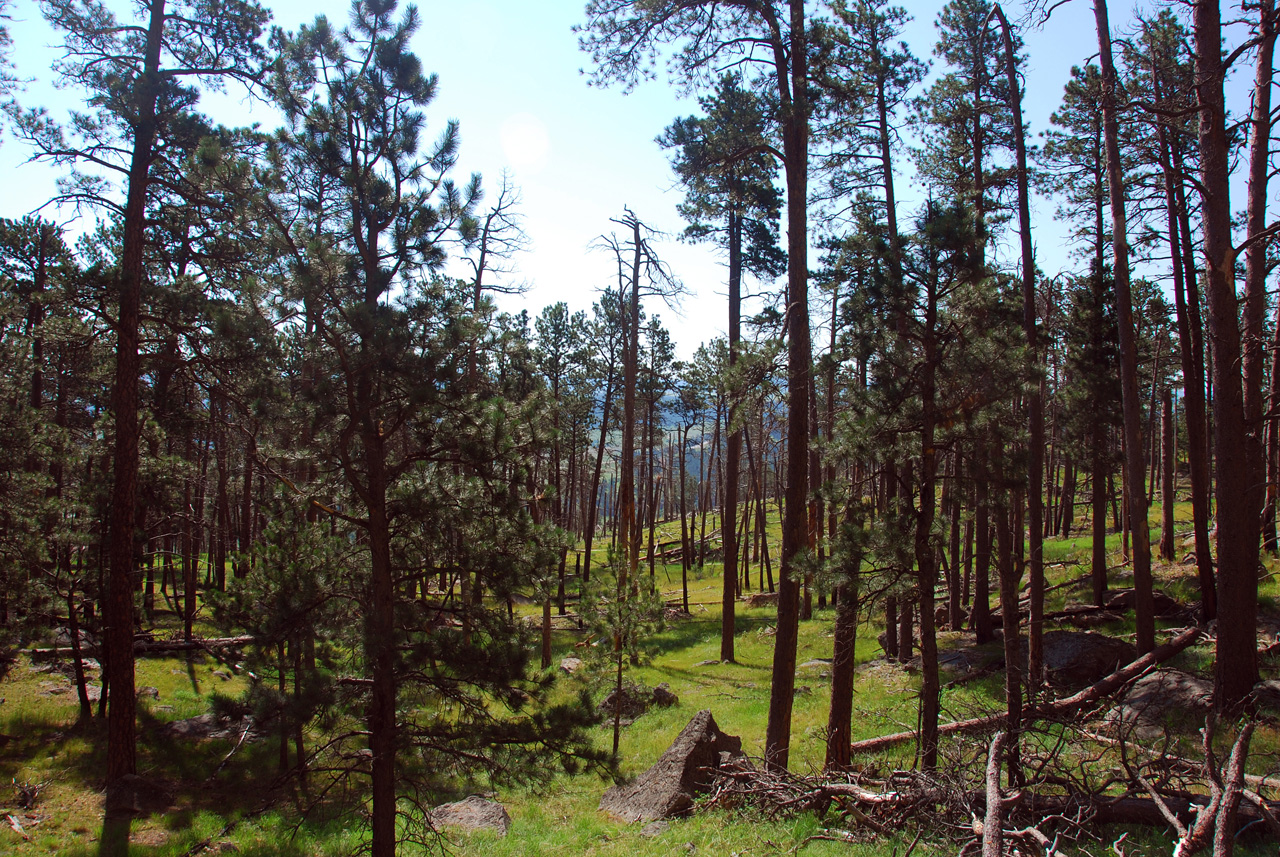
[1058,709]
[993,824]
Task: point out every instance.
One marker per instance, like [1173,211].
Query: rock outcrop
[686,769]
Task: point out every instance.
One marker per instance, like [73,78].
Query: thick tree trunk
[795,142]
[119,614]
[1236,669]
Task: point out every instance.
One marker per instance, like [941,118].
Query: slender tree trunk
[733,452]
[1035,406]
[706,502]
[1269,535]
[926,556]
[684,521]
[380,652]
[1144,607]
[891,627]
[1253,316]
[593,504]
[1009,618]
[1167,550]
[983,631]
[843,661]
[1098,566]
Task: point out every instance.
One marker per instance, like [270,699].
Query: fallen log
[144,647]
[1057,709]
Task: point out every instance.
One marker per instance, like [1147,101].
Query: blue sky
[510,74]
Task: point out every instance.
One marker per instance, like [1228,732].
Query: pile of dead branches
[1040,793]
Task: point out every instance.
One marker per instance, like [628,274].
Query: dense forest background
[262,386]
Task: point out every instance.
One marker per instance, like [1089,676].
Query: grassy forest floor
[226,799]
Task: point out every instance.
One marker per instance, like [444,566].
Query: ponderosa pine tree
[138,76]
[1236,664]
[622,37]
[1131,397]
[436,477]
[725,163]
[1160,66]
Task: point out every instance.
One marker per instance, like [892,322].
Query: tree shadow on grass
[182,769]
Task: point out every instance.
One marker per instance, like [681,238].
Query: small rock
[655,828]
[49,688]
[663,697]
[164,708]
[571,665]
[633,702]
[707,664]
[816,663]
[148,693]
[473,813]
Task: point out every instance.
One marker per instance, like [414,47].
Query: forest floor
[225,799]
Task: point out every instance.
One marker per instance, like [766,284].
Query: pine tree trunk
[1236,669]
[1144,607]
[593,502]
[1167,550]
[795,144]
[119,615]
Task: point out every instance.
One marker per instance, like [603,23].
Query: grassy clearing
[43,744]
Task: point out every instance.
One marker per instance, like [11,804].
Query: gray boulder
[1156,697]
[473,813]
[1165,605]
[687,768]
[1077,659]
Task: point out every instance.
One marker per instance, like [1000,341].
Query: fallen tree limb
[145,647]
[1057,709]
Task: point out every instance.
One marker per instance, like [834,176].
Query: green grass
[46,745]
